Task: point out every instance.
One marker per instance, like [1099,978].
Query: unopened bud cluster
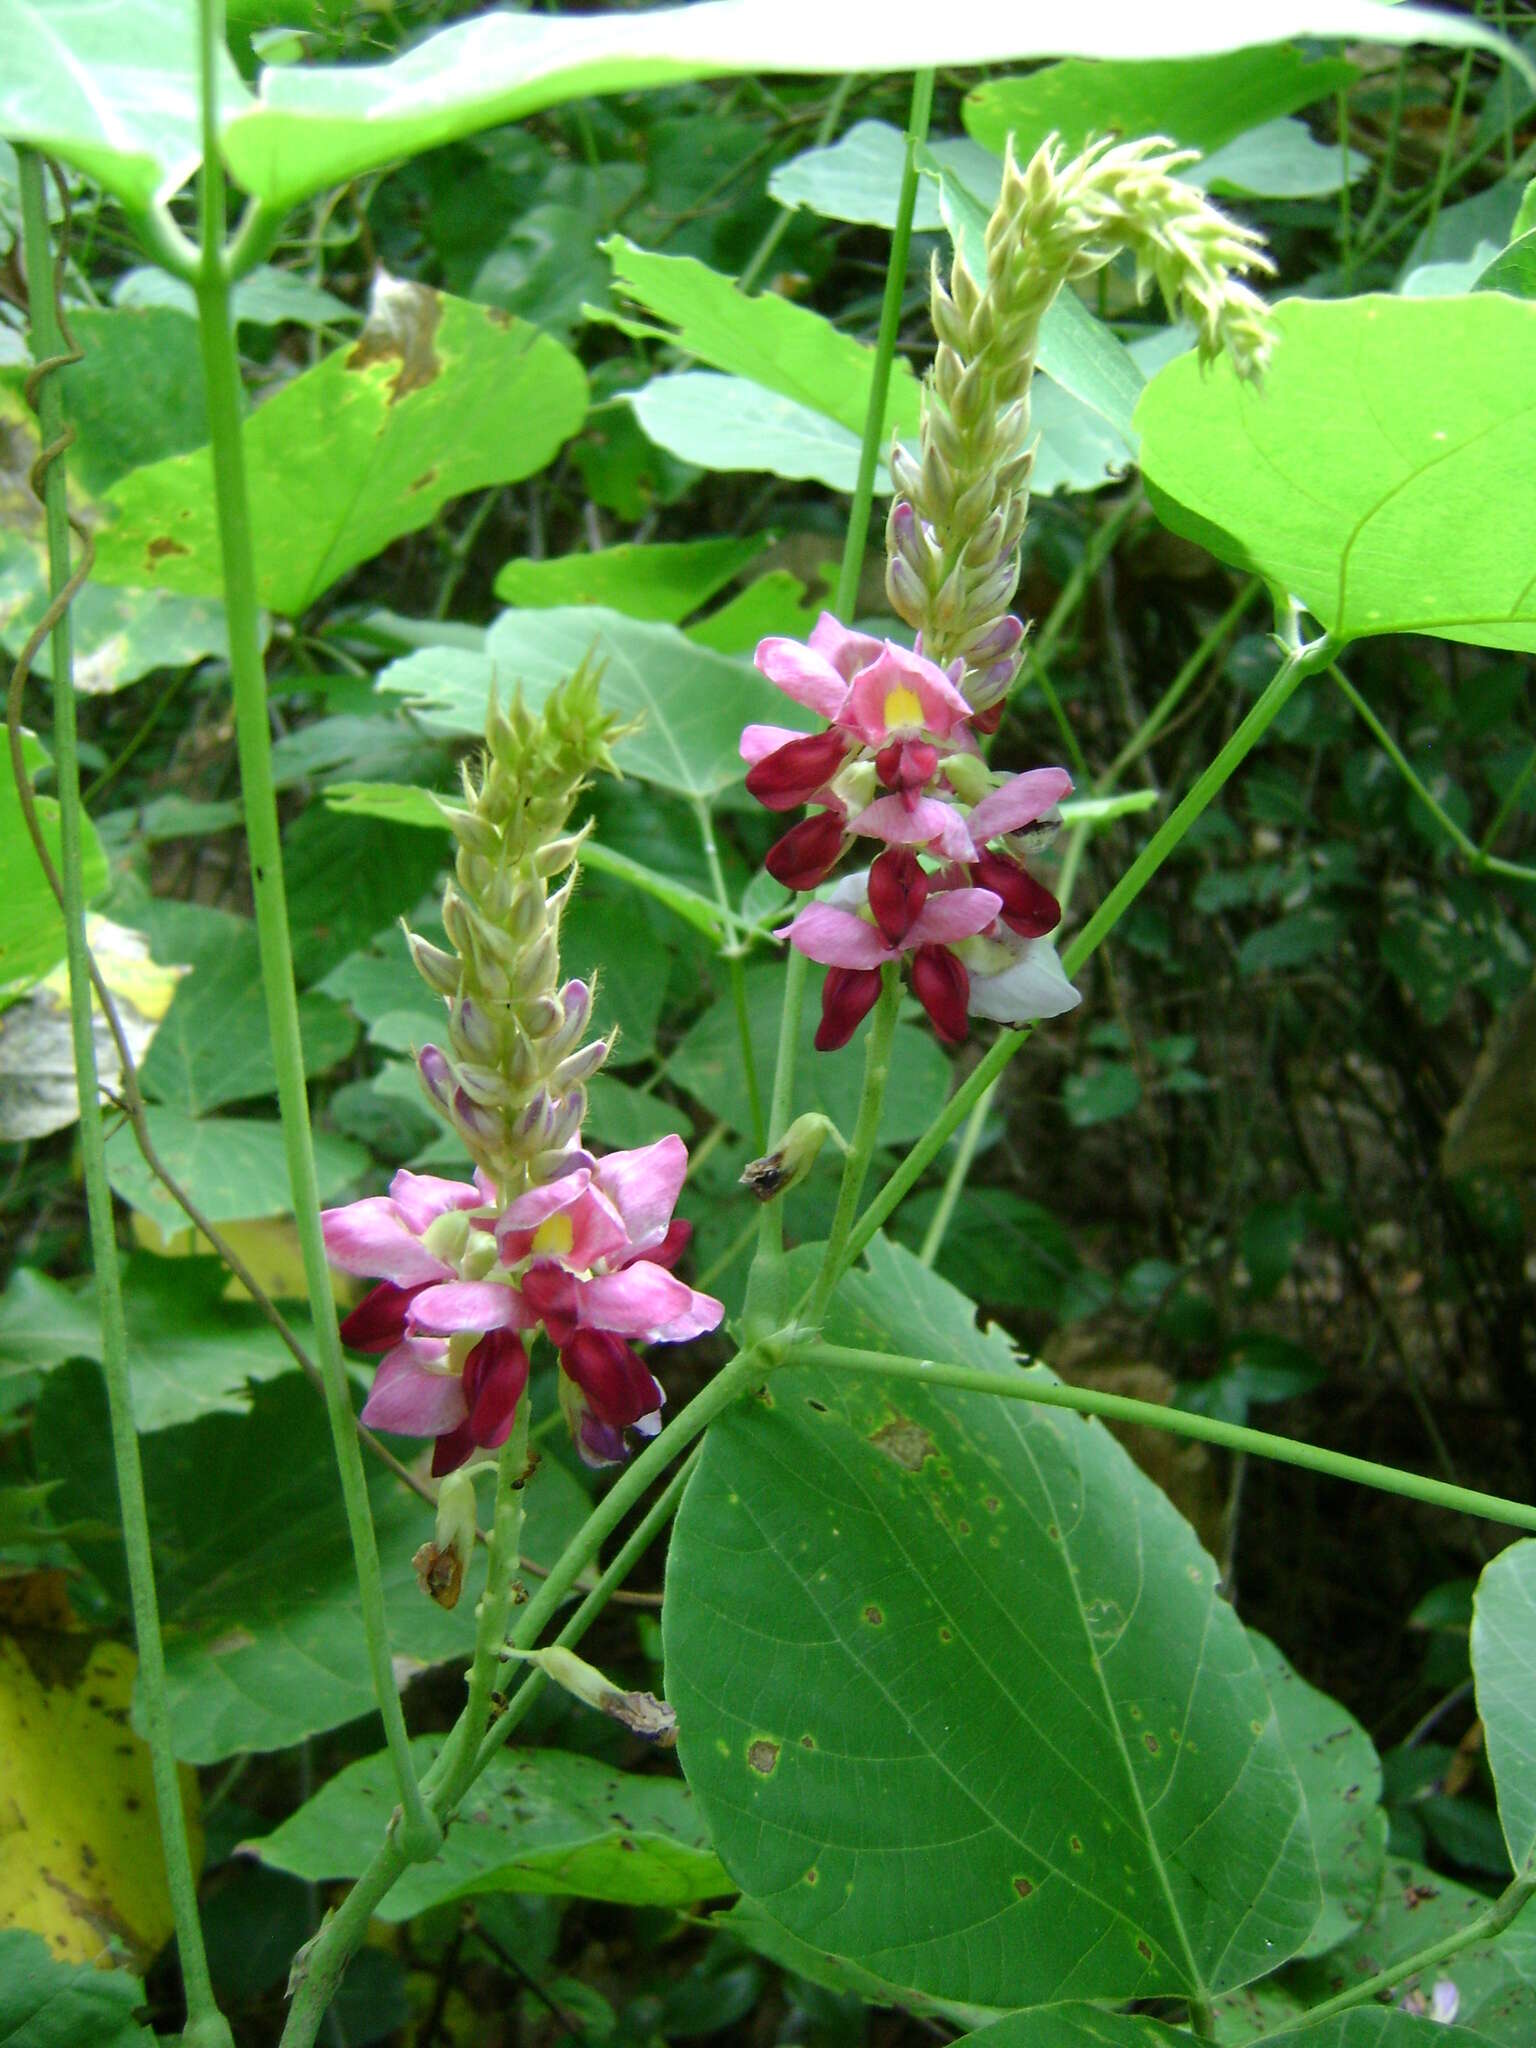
[955,528]
[512,1079]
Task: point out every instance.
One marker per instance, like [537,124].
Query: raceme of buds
[510,1079]
[952,539]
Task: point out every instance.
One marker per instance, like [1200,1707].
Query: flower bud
[441,1564]
[898,889]
[436,1075]
[545,1167]
[567,1118]
[809,851]
[792,774]
[439,970]
[580,1066]
[538,966]
[472,831]
[968,776]
[942,986]
[473,1033]
[788,1165]
[847,996]
[541,1017]
[640,1712]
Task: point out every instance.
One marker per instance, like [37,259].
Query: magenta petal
[803,674]
[927,822]
[422,1197]
[643,1185]
[846,650]
[952,914]
[1019,801]
[409,1398]
[835,938]
[372,1238]
[535,1207]
[468,1305]
[646,1301]
[943,707]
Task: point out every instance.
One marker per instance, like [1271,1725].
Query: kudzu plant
[961,1709]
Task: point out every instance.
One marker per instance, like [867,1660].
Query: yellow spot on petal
[903,707]
[554,1234]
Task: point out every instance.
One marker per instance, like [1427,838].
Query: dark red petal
[808,852]
[847,996]
[617,1387]
[898,889]
[495,1374]
[1029,908]
[453,1449]
[989,720]
[673,1245]
[792,774]
[378,1321]
[942,986]
[551,1293]
[907,764]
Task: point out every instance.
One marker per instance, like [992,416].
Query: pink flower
[420,1237]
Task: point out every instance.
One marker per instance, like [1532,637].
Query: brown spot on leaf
[905,1443]
[402,325]
[1075,1844]
[163,545]
[1153,1745]
[1144,1949]
[424,481]
[763,1756]
[1023,1887]
[874,1617]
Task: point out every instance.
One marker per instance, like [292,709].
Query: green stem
[445,1784]
[1484,1926]
[1209,1429]
[322,1964]
[885,351]
[861,1146]
[206,2025]
[1507,803]
[1301,661]
[955,1179]
[1476,855]
[1174,695]
[253,740]
[645,1532]
[764,1283]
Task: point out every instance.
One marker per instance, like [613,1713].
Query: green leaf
[771,604]
[349,455]
[1101,1094]
[191,1353]
[1295,940]
[1503,1663]
[1388,495]
[882,1598]
[1280,160]
[783,347]
[254,1564]
[538,1821]
[213,1046]
[858,177]
[729,423]
[232,1167]
[316,126]
[1340,1775]
[264,297]
[599,941]
[665,580]
[692,703]
[111,90]
[1201,102]
[119,635]
[1075,2026]
[45,2003]
[1513,270]
[349,878]
[708,1065]
[1415,1909]
[32,933]
[621,1116]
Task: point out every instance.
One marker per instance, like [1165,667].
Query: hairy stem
[253,738]
[1231,1436]
[206,2025]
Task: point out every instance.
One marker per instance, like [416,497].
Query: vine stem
[1302,660]
[1231,1436]
[221,373]
[1483,1926]
[206,2025]
[319,1967]
[861,1146]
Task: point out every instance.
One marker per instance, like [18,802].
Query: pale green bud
[789,1163]
[640,1712]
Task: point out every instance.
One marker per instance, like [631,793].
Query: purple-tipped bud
[905,589]
[580,1066]
[436,1075]
[534,1122]
[538,965]
[548,1166]
[476,1124]
[474,1035]
[486,1085]
[568,1117]
[905,537]
[541,1018]
[439,970]
[1001,638]
[574,1012]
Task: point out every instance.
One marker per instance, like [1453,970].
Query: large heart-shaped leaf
[254,1564]
[959,1695]
[726,423]
[1385,474]
[232,1167]
[536,1821]
[111,89]
[691,703]
[316,125]
[356,451]
[1504,1665]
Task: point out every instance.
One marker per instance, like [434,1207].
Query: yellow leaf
[80,1860]
[269,1246]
